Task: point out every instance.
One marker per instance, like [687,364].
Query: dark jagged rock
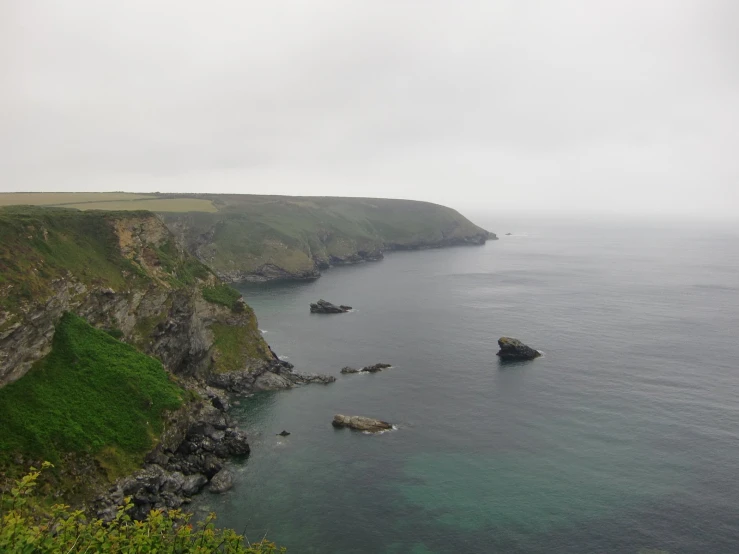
[221,482]
[514,350]
[368,369]
[283,434]
[361,423]
[324,307]
[276,375]
[509,234]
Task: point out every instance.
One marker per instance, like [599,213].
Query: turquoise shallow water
[623,437]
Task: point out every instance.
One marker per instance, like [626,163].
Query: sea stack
[514,350]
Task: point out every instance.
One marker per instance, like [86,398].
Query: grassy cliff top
[111,249]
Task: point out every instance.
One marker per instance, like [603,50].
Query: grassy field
[152,205]
[92,394]
[112,201]
[60,198]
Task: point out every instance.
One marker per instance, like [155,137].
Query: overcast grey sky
[548,105]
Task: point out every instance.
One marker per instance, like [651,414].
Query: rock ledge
[324,307]
[361,423]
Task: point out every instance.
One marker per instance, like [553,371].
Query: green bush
[222,294]
[26,528]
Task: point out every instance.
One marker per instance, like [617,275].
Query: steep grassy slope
[273,237]
[292,237]
[92,395]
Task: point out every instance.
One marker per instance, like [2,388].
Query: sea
[622,438]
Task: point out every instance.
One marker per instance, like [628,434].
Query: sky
[540,106]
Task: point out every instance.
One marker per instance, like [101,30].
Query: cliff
[120,271]
[273,237]
[109,336]
[253,237]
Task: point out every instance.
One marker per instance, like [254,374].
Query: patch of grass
[184,270]
[238,346]
[92,394]
[114,332]
[154,205]
[61,198]
[222,294]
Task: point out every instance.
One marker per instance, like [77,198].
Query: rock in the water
[283,434]
[514,349]
[271,381]
[509,234]
[360,423]
[221,482]
[368,369]
[324,307]
[375,368]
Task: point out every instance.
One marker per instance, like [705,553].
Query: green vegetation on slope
[236,344]
[25,528]
[42,244]
[283,236]
[38,245]
[222,294]
[91,395]
[293,235]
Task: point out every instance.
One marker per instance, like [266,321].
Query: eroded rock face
[368,369]
[514,350]
[361,423]
[324,307]
[171,323]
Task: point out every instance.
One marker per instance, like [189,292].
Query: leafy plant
[26,528]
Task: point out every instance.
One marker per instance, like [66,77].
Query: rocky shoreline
[194,448]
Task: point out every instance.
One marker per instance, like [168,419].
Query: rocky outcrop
[276,375]
[514,350]
[361,423]
[324,307]
[192,453]
[150,295]
[368,369]
[221,482]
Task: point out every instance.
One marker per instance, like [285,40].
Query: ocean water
[623,437]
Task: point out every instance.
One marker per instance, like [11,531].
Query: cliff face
[122,272]
[271,237]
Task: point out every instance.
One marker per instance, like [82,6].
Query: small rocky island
[360,423]
[514,350]
[368,369]
[324,307]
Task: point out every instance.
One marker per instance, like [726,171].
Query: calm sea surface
[623,437]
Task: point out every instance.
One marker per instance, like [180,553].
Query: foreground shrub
[28,526]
